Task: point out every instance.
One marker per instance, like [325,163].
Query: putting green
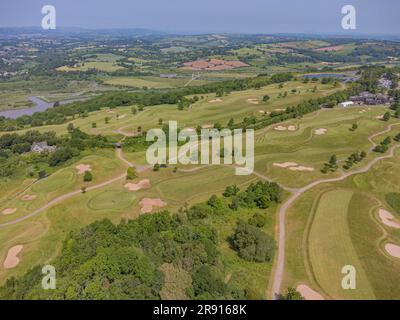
[111,200]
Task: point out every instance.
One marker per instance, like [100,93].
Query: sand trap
[280,109]
[253,101]
[147,204]
[393,250]
[110,111]
[283,128]
[320,131]
[286,164]
[294,166]
[142,184]
[215,100]
[301,168]
[308,293]
[12,259]
[207,126]
[28,197]
[388,219]
[82,168]
[379,117]
[9,211]
[189,130]
[121,117]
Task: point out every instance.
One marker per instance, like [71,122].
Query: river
[40,105]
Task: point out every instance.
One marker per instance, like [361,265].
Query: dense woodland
[107,261]
[15,150]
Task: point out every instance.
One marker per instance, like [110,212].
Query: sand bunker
[393,250]
[320,131]
[147,204]
[280,109]
[379,117]
[189,130]
[286,164]
[121,117]
[215,100]
[283,128]
[301,168]
[253,101]
[207,126]
[308,293]
[12,260]
[143,184]
[294,166]
[388,219]
[28,197]
[9,211]
[82,168]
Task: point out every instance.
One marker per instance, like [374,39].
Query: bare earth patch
[28,197]
[9,211]
[286,164]
[308,293]
[142,184]
[82,168]
[321,131]
[215,100]
[393,250]
[12,260]
[388,219]
[294,166]
[301,168]
[283,128]
[253,101]
[147,204]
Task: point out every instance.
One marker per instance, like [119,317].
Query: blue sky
[198,16]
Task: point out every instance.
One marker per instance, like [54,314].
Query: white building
[346,104]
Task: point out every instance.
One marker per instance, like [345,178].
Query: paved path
[279,269]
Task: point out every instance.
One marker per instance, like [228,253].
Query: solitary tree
[106,120]
[266,98]
[87,177]
[131,173]
[156,167]
[354,127]
[386,116]
[133,110]
[70,127]
[94,125]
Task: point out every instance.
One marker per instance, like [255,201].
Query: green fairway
[330,247]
